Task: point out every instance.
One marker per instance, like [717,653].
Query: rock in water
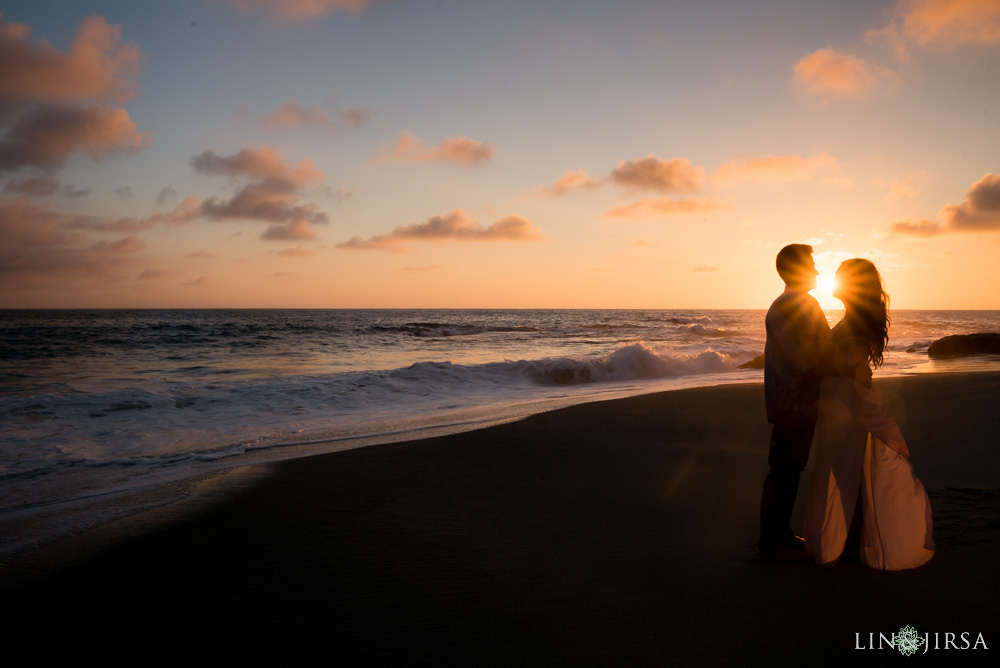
[755,363]
[965,344]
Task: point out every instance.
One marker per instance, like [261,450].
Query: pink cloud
[570,180]
[273,197]
[455,225]
[978,212]
[300,11]
[96,66]
[407,147]
[38,244]
[265,163]
[647,208]
[651,173]
[46,137]
[827,72]
[291,115]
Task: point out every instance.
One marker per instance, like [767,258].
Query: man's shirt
[796,331]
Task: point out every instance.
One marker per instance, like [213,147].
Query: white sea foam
[139,400]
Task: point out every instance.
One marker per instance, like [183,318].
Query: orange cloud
[456,225]
[46,137]
[291,115]
[47,110]
[273,197]
[705,269]
[827,72]
[96,67]
[407,147]
[978,212]
[776,168]
[902,187]
[570,180]
[651,173]
[300,11]
[646,208]
[38,243]
[298,251]
[950,23]
[266,163]
[154,274]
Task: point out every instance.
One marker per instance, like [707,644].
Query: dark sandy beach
[613,533]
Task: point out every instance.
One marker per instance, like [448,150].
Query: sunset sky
[404,153]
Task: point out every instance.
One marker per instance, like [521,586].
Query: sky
[517,154]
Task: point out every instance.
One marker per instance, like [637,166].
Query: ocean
[99,407]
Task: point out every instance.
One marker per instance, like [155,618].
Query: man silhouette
[796,330]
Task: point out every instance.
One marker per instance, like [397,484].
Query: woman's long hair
[866,304]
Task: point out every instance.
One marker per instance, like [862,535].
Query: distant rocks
[755,363]
[965,344]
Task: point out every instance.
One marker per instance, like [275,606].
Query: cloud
[298,251]
[642,243]
[704,269]
[285,274]
[125,192]
[407,147]
[45,136]
[298,230]
[949,23]
[300,11]
[266,163]
[51,102]
[38,244]
[570,180]
[33,186]
[423,270]
[183,213]
[96,66]
[776,168]
[646,208]
[74,192]
[827,72]
[165,194]
[200,282]
[291,115]
[273,197]
[456,225]
[904,186]
[203,254]
[651,173]
[154,274]
[978,212]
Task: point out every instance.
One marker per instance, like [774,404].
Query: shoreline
[613,530]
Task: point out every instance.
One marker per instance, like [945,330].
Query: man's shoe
[794,543]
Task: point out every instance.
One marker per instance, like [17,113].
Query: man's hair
[791,259]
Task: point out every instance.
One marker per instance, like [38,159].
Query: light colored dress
[860,455]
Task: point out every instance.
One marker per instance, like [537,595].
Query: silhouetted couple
[863,497]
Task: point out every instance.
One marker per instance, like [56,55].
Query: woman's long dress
[861,455]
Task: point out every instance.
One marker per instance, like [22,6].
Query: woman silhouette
[861,456]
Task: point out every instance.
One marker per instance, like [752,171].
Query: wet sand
[613,533]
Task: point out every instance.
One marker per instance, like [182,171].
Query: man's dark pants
[791,439]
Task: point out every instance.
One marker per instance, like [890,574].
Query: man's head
[796,267]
